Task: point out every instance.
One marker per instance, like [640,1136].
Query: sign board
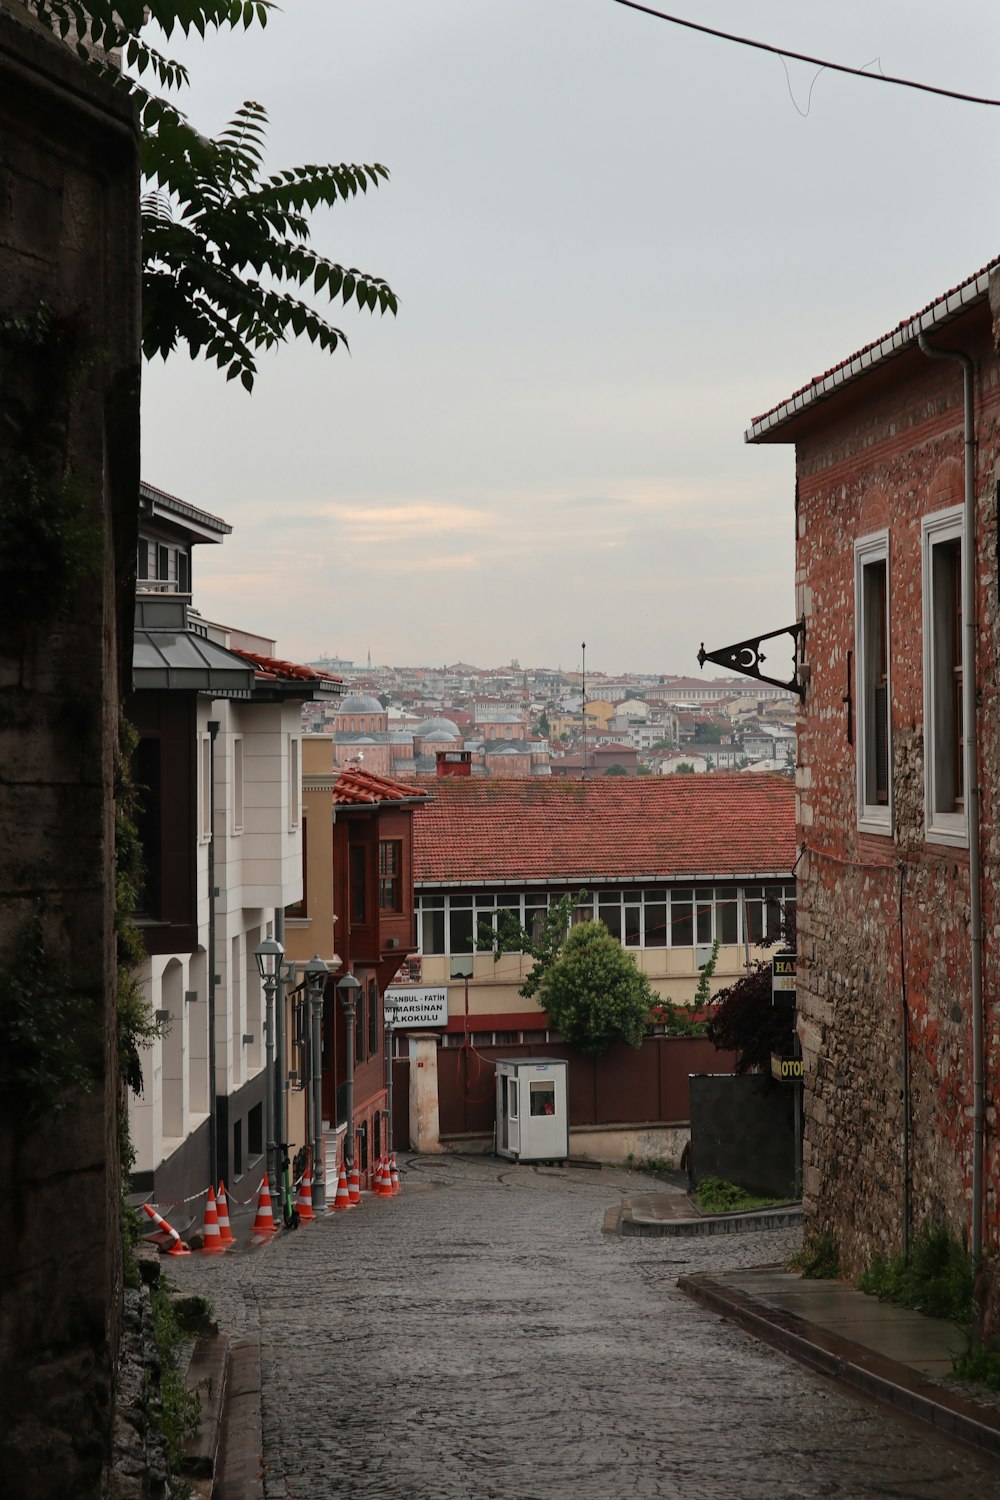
[783,977]
[417,1008]
[786,1069]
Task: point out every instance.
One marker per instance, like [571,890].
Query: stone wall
[881,918]
[69,276]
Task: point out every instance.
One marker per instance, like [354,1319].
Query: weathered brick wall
[884,456]
[69,424]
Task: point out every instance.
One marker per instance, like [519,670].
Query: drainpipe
[278,1082]
[213,1117]
[971,727]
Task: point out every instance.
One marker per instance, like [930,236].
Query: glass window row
[679,917]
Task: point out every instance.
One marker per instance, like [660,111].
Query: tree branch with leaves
[228,268]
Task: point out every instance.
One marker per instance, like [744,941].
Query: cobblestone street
[478,1337]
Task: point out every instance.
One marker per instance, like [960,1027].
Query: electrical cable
[817,62]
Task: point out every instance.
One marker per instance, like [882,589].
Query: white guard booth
[532,1108]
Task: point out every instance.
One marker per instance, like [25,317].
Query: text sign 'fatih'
[783,977]
[419,1007]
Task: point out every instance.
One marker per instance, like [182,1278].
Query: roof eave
[904,337]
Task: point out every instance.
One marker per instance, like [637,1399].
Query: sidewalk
[884,1352]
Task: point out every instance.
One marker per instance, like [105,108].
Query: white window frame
[873,817]
[239,783]
[294,782]
[942,526]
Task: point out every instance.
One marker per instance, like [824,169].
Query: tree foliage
[226,250]
[594,993]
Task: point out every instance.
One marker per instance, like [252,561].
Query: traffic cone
[176,1247]
[222,1206]
[304,1201]
[394,1174]
[210,1228]
[354,1184]
[383,1182]
[343,1197]
[264,1222]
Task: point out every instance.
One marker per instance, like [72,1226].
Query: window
[542,1098]
[299,910]
[183,573]
[238,785]
[373,1009]
[358,880]
[390,885]
[162,564]
[871,627]
[944,670]
[359,1029]
[142,560]
[294,787]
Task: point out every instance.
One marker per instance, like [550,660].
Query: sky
[614,243]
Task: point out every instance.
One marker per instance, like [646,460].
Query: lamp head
[268,954]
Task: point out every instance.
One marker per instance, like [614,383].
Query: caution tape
[177,1202]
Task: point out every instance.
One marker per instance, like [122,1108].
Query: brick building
[896,518]
[669,864]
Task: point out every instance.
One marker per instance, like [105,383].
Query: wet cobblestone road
[479,1338]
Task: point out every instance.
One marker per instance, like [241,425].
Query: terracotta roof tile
[626,828]
[273,669]
[363,788]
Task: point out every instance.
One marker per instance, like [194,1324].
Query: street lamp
[390,1005]
[269,954]
[317,972]
[347,989]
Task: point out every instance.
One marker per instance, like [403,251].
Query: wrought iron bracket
[746,657]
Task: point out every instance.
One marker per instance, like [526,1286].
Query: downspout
[971,728]
[213,1119]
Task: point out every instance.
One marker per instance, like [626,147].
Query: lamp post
[347,989]
[317,972]
[390,1007]
[269,954]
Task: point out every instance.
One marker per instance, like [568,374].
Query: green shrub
[818,1260]
[179,1411]
[935,1279]
[715,1196]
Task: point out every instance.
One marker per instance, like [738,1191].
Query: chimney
[454,763]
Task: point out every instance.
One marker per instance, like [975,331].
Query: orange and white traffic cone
[264,1222]
[354,1184]
[222,1207]
[210,1228]
[304,1201]
[343,1197]
[162,1227]
[383,1182]
[394,1174]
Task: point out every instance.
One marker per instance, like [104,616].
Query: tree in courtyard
[225,248]
[591,988]
[594,993]
[616,770]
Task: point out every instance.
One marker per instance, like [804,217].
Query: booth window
[543,1098]
[512,1099]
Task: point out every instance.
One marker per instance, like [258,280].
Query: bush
[935,1279]
[819,1259]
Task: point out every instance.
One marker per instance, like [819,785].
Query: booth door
[513,1124]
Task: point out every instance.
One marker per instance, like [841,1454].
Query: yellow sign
[786,1069]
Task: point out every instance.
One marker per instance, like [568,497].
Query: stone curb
[207,1375]
[241,1458]
[752,1221]
[871,1374]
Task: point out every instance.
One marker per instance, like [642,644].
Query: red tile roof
[273,669]
[363,788]
[617,828]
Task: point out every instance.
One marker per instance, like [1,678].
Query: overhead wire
[817,62]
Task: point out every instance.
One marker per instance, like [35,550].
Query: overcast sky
[614,243]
